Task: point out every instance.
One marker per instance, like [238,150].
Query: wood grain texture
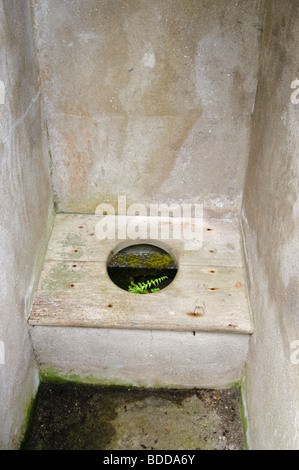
[207,294]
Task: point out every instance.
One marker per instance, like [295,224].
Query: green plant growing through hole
[145,287]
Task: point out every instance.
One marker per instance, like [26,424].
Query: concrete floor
[83,417]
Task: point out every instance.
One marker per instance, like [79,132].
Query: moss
[244,424]
[74,412]
[149,261]
[83,417]
[56,376]
[239,386]
[62,275]
[51,375]
[123,268]
[244,418]
[72,239]
[72,246]
[29,422]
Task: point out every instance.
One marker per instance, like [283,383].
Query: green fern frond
[143,287]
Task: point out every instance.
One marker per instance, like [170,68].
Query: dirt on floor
[84,417]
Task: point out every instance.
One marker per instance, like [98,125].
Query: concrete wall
[153,100]
[270,221]
[25,206]
[149,99]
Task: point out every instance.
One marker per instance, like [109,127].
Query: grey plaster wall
[270,221]
[154,100]
[149,99]
[25,213]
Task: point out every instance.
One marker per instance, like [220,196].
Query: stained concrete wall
[25,213]
[270,221]
[151,100]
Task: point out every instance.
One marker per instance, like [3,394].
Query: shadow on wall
[148,100]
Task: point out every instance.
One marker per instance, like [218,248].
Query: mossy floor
[83,417]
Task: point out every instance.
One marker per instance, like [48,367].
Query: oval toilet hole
[142,268]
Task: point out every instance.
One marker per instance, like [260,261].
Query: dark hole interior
[141,264]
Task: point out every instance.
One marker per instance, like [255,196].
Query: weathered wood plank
[82,294]
[207,294]
[74,238]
